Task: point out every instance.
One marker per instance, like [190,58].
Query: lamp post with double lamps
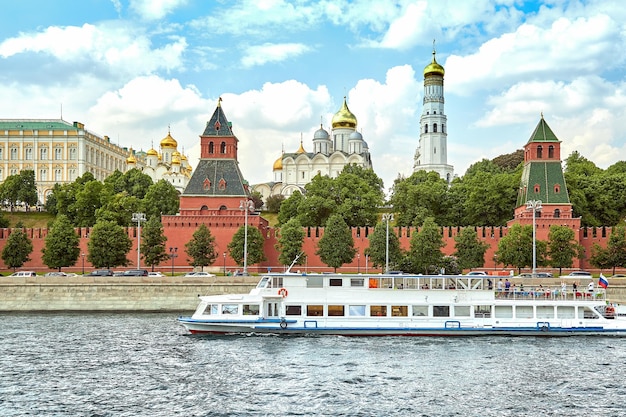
[139,217]
[534,205]
[83,255]
[387,217]
[173,255]
[224,263]
[245,205]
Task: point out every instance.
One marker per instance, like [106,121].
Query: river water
[146,365]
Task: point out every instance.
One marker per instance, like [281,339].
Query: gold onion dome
[175,160]
[344,117]
[434,68]
[169,142]
[176,153]
[152,152]
[300,149]
[278,164]
[131,158]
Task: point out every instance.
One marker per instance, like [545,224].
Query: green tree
[254,248]
[27,193]
[336,246]
[616,247]
[120,209]
[274,202]
[89,199]
[4,222]
[290,240]
[289,207]
[17,250]
[377,250]
[469,250]
[600,257]
[516,248]
[201,247]
[62,244]
[161,198]
[9,190]
[135,183]
[108,245]
[153,242]
[257,199]
[422,195]
[562,247]
[425,248]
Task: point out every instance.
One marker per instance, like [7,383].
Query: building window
[557,213]
[550,151]
[13,154]
[435,151]
[1,153]
[435,128]
[13,171]
[58,154]
[426,128]
[72,174]
[43,175]
[73,153]
[57,175]
[537,189]
[539,152]
[28,153]
[557,189]
[211,147]
[43,154]
[223,148]
[443,128]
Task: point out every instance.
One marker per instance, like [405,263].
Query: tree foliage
[562,247]
[290,240]
[274,203]
[377,250]
[19,188]
[614,255]
[161,199]
[425,256]
[516,248]
[255,253]
[62,244]
[469,250]
[17,250]
[201,247]
[336,246]
[153,242]
[289,207]
[108,245]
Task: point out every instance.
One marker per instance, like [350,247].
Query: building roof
[218,125]
[543,180]
[543,133]
[36,124]
[216,177]
[344,117]
[434,68]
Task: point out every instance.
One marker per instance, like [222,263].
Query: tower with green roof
[543,180]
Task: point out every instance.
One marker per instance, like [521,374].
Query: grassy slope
[30,219]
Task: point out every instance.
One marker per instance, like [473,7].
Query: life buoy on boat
[283,292]
[283,324]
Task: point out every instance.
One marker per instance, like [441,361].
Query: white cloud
[155,9]
[268,52]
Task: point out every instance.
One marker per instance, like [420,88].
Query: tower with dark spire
[432,151]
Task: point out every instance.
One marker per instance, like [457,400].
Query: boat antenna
[293,262]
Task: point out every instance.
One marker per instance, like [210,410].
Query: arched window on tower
[557,213]
[210,147]
[539,152]
[550,151]
[443,128]
[537,189]
[223,147]
[426,128]
[435,151]
[435,127]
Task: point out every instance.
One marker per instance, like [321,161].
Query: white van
[23,274]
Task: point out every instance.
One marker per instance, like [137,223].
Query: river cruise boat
[404,305]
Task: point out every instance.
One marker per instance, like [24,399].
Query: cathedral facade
[332,151]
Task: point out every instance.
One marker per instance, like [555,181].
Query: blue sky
[131,68]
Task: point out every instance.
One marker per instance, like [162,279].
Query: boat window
[441,311]
[421,311]
[356,310]
[503,312]
[587,313]
[374,283]
[483,312]
[210,309]
[263,282]
[399,311]
[461,311]
[524,312]
[335,282]
[277,282]
[357,282]
[335,310]
[230,308]
[314,310]
[314,282]
[251,309]
[293,310]
[378,311]
[545,312]
[565,312]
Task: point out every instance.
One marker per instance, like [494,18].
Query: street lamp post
[387,217]
[366,259]
[358,263]
[534,205]
[173,255]
[245,205]
[83,255]
[139,217]
[224,263]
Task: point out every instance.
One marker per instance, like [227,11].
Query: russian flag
[603,281]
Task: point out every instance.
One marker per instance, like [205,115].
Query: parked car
[23,274]
[136,273]
[578,274]
[155,274]
[479,273]
[199,275]
[55,274]
[101,273]
[537,275]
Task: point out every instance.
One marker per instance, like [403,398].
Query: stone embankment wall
[117,294]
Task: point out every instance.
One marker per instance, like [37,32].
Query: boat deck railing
[555,293]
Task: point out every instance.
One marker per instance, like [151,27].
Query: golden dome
[152,152]
[175,160]
[278,164]
[300,149]
[183,158]
[169,142]
[434,68]
[131,158]
[344,117]
[175,153]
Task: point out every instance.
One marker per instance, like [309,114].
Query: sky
[132,69]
